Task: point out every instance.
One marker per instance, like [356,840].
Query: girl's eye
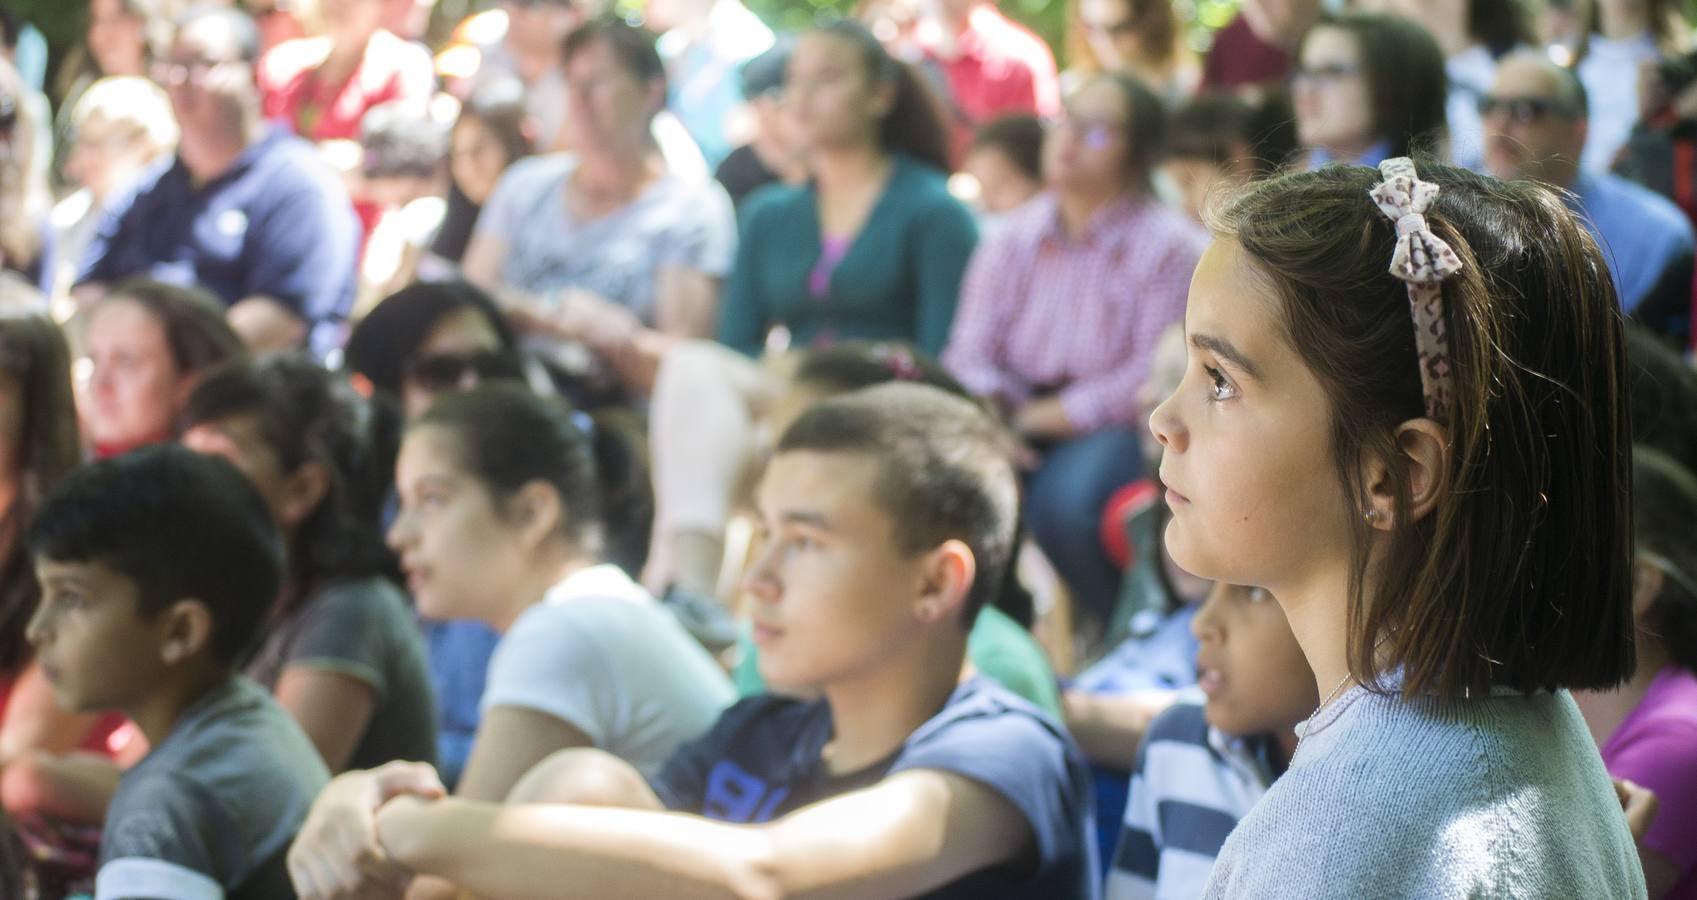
[1220,387]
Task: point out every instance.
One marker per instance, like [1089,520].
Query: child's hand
[336,855]
[1639,804]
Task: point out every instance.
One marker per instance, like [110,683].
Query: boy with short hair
[157,570]
[888,510]
[1203,766]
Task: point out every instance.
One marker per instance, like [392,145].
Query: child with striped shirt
[1203,765]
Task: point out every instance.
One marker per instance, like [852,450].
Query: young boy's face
[831,594]
[1250,665]
[94,647]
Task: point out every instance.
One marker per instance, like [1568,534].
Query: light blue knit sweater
[1498,797]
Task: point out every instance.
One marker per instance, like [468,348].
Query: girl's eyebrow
[1223,348]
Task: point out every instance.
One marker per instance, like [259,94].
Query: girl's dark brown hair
[33,354]
[1402,64]
[1521,574]
[915,125]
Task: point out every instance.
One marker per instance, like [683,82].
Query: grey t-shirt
[363,629]
[675,222]
[210,812]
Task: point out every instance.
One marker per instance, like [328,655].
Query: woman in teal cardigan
[872,248]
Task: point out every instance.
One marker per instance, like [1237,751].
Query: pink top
[831,252]
[1657,747]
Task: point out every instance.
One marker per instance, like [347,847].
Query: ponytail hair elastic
[1421,260]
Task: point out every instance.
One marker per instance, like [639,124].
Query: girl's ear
[537,512]
[1423,445]
[1647,581]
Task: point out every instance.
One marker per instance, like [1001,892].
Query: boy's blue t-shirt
[762,761]
[210,812]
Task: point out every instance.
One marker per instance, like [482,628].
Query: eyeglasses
[1095,133]
[177,74]
[1122,28]
[1525,110]
[1325,74]
[440,372]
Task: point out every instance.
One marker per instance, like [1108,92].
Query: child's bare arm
[910,833]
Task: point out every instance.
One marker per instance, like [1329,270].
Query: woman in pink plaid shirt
[1060,312]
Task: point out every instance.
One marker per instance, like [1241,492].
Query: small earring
[1372,517]
[927,612]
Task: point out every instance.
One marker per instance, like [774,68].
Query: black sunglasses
[447,371]
[1525,110]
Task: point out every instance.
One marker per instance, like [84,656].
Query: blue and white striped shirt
[1191,786]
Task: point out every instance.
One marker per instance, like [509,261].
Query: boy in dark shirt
[887,513]
[157,569]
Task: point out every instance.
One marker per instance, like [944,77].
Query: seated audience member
[245,210]
[1059,317]
[321,87]
[601,247]
[45,782]
[998,645]
[1220,141]
[119,129]
[873,246]
[118,41]
[341,652]
[890,514]
[147,343]
[1146,39]
[1006,161]
[990,65]
[525,48]
[25,204]
[1536,119]
[491,133]
[1662,397]
[706,43]
[1647,729]
[771,154]
[501,521]
[1367,88]
[156,570]
[1473,35]
[1204,764]
[1619,40]
[404,177]
[1257,48]
[420,343]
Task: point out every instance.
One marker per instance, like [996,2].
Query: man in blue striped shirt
[1203,766]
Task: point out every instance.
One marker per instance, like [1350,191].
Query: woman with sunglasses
[1060,313]
[423,342]
[1367,88]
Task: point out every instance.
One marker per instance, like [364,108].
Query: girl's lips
[1210,681]
[1174,498]
[765,634]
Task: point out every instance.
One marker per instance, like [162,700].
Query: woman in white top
[499,522]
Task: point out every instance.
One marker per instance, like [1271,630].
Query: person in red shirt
[322,86]
[990,65]
[1257,48]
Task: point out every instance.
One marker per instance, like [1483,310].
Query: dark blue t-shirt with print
[763,760]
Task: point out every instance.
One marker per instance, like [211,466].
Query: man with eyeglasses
[1536,120]
[245,210]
